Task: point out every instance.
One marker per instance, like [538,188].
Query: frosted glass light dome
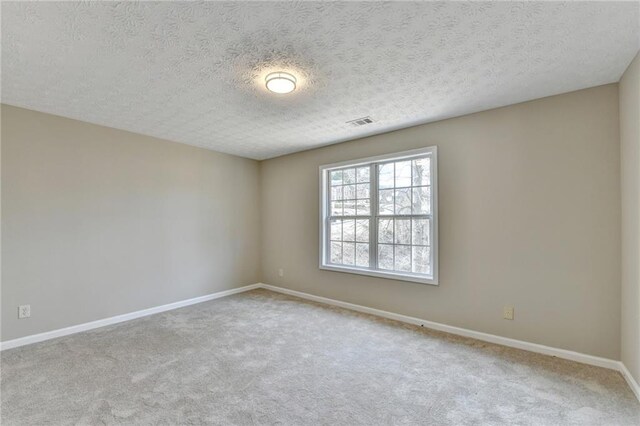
[281,82]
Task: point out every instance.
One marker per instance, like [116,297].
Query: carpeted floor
[265,358]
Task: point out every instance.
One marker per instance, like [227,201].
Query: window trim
[324,210]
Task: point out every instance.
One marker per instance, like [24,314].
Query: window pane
[336,252]
[349,207]
[402,258]
[349,192]
[421,171]
[336,177]
[421,260]
[363,208]
[349,230]
[402,231]
[385,202]
[385,175]
[362,230]
[403,201]
[385,231]
[336,208]
[403,221]
[362,191]
[422,200]
[336,230]
[403,174]
[348,253]
[349,176]
[421,232]
[363,174]
[336,192]
[362,254]
[385,256]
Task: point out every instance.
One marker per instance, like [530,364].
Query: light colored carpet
[265,358]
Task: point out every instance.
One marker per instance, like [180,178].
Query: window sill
[380,274]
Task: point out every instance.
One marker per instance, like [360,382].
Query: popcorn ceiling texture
[194,72]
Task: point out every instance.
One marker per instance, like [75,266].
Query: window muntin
[350,216]
[378,216]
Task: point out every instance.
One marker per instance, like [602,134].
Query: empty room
[320,213]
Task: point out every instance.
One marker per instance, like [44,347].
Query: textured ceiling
[194,72]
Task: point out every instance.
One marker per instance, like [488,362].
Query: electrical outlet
[281,272]
[24,311]
[508,313]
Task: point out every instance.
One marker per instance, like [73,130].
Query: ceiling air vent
[360,121]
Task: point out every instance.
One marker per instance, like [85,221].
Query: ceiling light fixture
[281,82]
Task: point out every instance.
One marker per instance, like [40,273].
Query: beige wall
[630,174]
[98,222]
[529,216]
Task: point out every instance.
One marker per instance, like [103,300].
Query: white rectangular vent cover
[361,121]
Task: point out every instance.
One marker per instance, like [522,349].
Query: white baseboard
[492,338]
[34,338]
[505,341]
[630,379]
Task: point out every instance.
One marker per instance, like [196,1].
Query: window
[379,216]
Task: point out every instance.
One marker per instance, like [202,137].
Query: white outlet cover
[24,311]
[508,313]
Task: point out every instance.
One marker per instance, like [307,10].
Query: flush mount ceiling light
[280,82]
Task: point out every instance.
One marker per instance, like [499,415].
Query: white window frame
[324,216]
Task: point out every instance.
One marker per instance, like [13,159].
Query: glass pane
[336,177]
[349,176]
[385,201]
[363,191]
[350,207]
[336,208]
[348,253]
[363,208]
[403,231]
[363,174]
[421,171]
[336,252]
[403,174]
[362,254]
[421,260]
[402,258]
[362,230]
[336,230]
[336,192]
[385,231]
[349,192]
[403,201]
[421,232]
[385,175]
[422,200]
[385,256]
[349,230]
